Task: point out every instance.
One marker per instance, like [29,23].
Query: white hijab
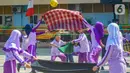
[115,36]
[14,40]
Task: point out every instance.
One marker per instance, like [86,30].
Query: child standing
[13,51]
[56,43]
[96,33]
[31,34]
[114,51]
[24,46]
[84,47]
[76,48]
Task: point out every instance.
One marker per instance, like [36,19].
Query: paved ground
[44,54]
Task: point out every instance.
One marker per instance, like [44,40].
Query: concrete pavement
[44,53]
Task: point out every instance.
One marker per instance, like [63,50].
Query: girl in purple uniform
[13,51]
[96,33]
[84,47]
[56,43]
[31,35]
[114,51]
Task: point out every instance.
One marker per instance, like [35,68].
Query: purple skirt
[10,67]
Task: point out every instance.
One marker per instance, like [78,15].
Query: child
[114,51]
[13,51]
[24,46]
[84,47]
[96,33]
[76,48]
[56,43]
[31,34]
[25,41]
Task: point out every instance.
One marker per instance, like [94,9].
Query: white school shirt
[32,38]
[76,48]
[84,44]
[54,50]
[95,44]
[25,42]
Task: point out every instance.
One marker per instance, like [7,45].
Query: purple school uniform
[84,48]
[115,58]
[55,52]
[114,51]
[32,41]
[96,33]
[13,51]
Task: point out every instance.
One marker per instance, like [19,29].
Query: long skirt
[32,51]
[117,66]
[94,55]
[10,66]
[83,57]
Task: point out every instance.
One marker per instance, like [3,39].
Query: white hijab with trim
[14,40]
[115,36]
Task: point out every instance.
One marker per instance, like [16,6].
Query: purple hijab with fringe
[98,31]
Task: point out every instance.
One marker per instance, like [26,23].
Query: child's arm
[88,30]
[79,39]
[25,54]
[17,56]
[86,23]
[38,24]
[107,56]
[102,44]
[54,45]
[39,33]
[63,43]
[126,54]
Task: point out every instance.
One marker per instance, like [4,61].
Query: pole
[114,15]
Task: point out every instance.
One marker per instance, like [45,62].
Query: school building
[12,12]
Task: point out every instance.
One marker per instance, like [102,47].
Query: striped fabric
[63,19]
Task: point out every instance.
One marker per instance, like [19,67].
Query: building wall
[105,18]
[96,12]
[20,19]
[92,10]
[36,2]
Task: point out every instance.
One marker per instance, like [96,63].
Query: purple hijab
[98,31]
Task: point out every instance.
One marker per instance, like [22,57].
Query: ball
[54,3]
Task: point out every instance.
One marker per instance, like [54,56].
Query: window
[43,8]
[36,9]
[71,7]
[64,6]
[7,9]
[108,8]
[86,8]
[1,20]
[1,9]
[8,20]
[97,7]
[33,19]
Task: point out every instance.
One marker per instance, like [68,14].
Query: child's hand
[95,68]
[103,46]
[129,53]
[72,42]
[27,65]
[35,58]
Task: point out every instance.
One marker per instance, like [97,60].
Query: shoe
[127,64]
[18,67]
[102,68]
